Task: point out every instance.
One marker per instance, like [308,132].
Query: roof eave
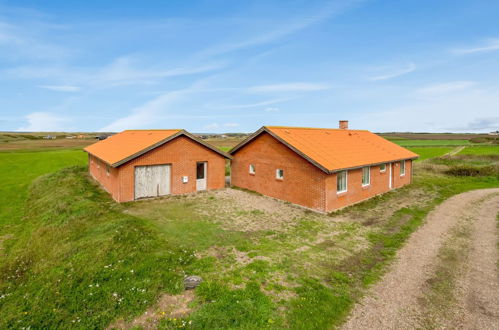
[278,138]
[371,164]
[159,143]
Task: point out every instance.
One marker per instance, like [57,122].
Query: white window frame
[368,176]
[338,179]
[402,166]
[252,169]
[381,169]
[278,174]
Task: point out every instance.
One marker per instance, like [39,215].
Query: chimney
[343,124]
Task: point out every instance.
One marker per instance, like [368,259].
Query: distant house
[494,133]
[322,169]
[137,164]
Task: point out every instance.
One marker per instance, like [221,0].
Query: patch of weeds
[439,294]
[317,306]
[247,308]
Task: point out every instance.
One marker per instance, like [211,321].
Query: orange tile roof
[336,149]
[128,143]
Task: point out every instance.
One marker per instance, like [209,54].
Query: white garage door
[152,181]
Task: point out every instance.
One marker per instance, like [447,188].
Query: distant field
[35,142]
[433,136]
[430,152]
[480,150]
[225,144]
[419,143]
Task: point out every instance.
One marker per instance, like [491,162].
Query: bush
[468,170]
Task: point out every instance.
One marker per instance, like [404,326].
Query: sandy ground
[391,303]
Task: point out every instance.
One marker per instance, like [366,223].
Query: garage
[136,164]
[152,181]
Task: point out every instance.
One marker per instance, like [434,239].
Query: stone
[192,282]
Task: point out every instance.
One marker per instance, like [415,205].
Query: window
[107,170]
[402,168]
[341,181]
[366,176]
[382,168]
[252,169]
[279,174]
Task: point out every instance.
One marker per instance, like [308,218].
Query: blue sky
[233,66]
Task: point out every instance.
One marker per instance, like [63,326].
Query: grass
[19,169]
[430,152]
[481,150]
[53,275]
[306,273]
[420,143]
[440,292]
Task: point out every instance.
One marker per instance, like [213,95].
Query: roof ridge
[318,128]
[154,129]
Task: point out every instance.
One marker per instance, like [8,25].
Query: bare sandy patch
[167,306]
[244,211]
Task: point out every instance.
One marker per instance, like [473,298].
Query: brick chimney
[343,124]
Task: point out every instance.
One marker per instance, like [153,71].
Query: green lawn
[481,150]
[420,143]
[18,169]
[430,152]
[72,258]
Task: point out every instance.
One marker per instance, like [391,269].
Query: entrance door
[152,181]
[201,175]
[391,178]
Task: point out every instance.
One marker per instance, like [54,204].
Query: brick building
[137,164]
[322,169]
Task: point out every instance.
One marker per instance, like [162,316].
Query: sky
[234,66]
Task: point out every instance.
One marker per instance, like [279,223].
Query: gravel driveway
[394,301]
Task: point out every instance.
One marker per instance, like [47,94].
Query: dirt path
[395,302]
[455,151]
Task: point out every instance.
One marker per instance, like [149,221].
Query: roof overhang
[310,160]
[160,143]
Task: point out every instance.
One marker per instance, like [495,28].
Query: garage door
[152,181]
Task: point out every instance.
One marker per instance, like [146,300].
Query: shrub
[468,170]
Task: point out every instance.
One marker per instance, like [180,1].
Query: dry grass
[167,307]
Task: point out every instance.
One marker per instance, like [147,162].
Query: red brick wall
[110,183]
[303,183]
[380,183]
[182,153]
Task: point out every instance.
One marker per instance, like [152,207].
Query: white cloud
[61,88]
[124,70]
[231,124]
[44,122]
[393,72]
[331,9]
[460,113]
[145,115]
[212,126]
[448,87]
[271,109]
[22,41]
[252,105]
[290,87]
[488,46]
